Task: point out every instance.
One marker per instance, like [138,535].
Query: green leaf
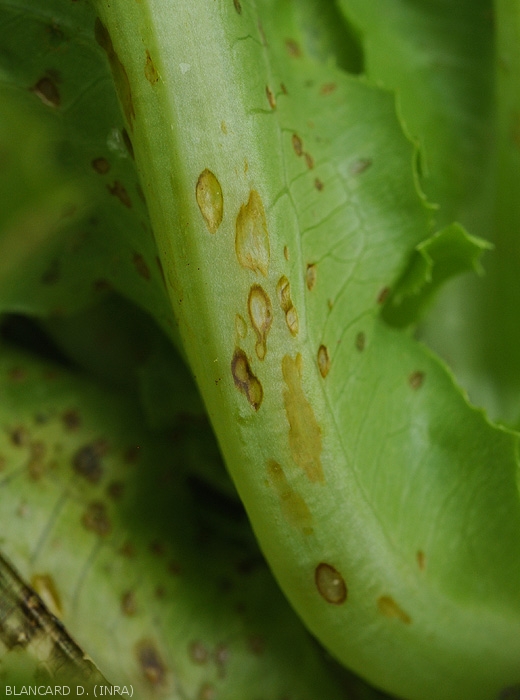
[285,206]
[447,253]
[57,89]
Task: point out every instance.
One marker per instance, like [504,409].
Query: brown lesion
[389,608]
[119,73]
[251,235]
[261,315]
[151,663]
[245,380]
[304,432]
[294,508]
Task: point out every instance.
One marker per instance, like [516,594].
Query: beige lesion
[294,508]
[305,440]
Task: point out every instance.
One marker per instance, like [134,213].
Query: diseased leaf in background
[106,527]
[397,532]
[53,72]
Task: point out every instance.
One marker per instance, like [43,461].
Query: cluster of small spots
[198,653]
[252,238]
[87,461]
[416,379]
[359,166]
[270,97]
[128,604]
[327,88]
[318,184]
[293,48]
[44,586]
[283,289]
[293,506]
[118,190]
[100,165]
[323,361]
[261,315]
[304,431]
[47,90]
[244,379]
[238,6]
[421,560]
[141,266]
[360,341]
[330,584]
[96,519]
[118,70]
[208,194]
[152,666]
[310,276]
[388,607]
[383,295]
[150,71]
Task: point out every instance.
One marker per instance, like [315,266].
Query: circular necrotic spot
[101,165]
[383,295]
[198,652]
[141,266]
[330,584]
[360,341]
[47,90]
[293,48]
[261,315]
[96,519]
[87,461]
[152,666]
[323,361]
[297,145]
[118,190]
[128,604]
[244,379]
[210,200]
[310,276]
[416,379]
